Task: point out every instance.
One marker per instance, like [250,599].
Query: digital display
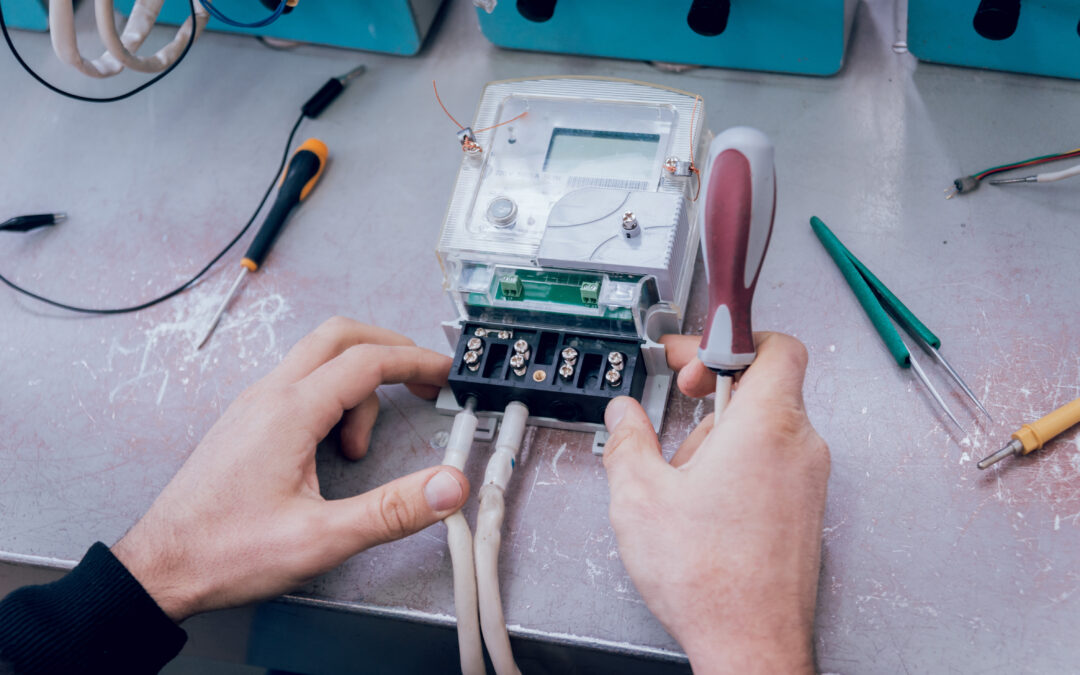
[602,154]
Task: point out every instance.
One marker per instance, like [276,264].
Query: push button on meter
[502,212]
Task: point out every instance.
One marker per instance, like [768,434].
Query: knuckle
[335,325]
[395,515]
[797,352]
[619,439]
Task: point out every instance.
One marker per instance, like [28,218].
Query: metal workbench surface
[929,565]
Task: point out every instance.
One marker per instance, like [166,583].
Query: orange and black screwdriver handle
[736,225]
[300,176]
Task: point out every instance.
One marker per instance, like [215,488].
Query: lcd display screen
[601,154]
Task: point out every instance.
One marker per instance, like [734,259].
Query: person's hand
[724,543]
[243,519]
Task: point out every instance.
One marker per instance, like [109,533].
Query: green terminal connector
[511,286]
[590,292]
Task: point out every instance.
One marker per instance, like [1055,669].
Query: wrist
[723,654]
[158,570]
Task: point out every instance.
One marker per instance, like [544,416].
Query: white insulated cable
[489,537]
[459,541]
[1058,175]
[143,14]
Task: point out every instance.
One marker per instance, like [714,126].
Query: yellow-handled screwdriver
[300,176]
[1033,436]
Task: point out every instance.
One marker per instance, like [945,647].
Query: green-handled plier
[880,304]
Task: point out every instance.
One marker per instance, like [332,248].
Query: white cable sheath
[489,537]
[143,14]
[1058,175]
[459,541]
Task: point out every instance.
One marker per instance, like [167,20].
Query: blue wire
[217,14]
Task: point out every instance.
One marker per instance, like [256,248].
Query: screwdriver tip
[1013,448]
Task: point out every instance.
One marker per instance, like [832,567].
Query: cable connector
[329,92]
[962,186]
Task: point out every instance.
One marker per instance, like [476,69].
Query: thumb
[633,450]
[399,508]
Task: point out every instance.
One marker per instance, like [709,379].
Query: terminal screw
[475,344]
[630,227]
[505,335]
[617,360]
[480,332]
[570,355]
[522,347]
[613,377]
[471,361]
[517,362]
[566,371]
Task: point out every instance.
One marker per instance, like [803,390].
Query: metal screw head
[566,371]
[521,346]
[480,332]
[475,344]
[570,354]
[630,226]
[470,358]
[539,375]
[505,335]
[613,377]
[617,360]
[517,361]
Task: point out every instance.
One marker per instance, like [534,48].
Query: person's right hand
[724,543]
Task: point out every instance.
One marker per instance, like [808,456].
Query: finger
[356,428]
[680,349]
[695,380]
[330,339]
[689,446]
[632,451]
[776,375]
[346,380]
[397,509]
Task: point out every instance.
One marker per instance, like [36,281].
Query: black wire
[192,280]
[92,99]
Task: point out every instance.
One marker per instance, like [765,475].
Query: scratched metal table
[929,565]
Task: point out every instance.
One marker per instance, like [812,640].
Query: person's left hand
[243,519]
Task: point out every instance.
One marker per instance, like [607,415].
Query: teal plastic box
[790,36]
[1046,40]
[391,26]
[26,14]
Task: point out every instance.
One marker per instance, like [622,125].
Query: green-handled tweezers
[880,304]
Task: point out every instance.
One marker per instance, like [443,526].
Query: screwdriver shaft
[723,396]
[1014,448]
[221,310]
[1007,181]
[933,392]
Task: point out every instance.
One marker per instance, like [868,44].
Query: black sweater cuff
[96,619]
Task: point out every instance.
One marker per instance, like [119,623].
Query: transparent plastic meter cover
[535,229]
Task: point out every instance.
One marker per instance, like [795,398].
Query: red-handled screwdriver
[300,176]
[736,224]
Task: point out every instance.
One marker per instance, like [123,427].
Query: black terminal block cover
[564,375]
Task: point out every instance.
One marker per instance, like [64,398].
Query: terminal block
[564,375]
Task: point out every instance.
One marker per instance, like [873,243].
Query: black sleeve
[96,619]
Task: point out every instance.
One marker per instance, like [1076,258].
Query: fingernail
[443,491]
[616,410]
